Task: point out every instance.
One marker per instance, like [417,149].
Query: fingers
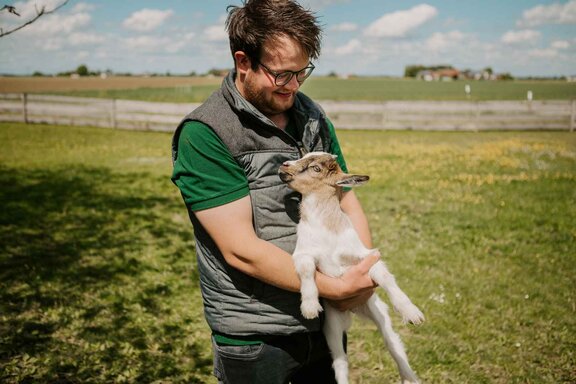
[356,280]
[365,264]
[352,302]
[376,252]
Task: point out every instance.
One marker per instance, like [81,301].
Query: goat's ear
[352,180]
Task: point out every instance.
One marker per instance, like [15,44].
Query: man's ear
[352,180]
[243,62]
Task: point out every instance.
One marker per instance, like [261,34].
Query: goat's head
[317,171]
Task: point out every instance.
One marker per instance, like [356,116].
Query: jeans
[296,359]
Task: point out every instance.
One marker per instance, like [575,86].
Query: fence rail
[389,115]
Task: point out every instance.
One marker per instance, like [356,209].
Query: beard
[265,101]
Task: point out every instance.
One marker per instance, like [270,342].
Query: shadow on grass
[73,279]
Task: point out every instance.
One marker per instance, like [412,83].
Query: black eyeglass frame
[310,66]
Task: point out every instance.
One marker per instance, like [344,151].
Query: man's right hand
[357,286]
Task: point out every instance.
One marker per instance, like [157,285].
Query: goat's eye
[316,168]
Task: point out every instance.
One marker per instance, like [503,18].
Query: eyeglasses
[284,77]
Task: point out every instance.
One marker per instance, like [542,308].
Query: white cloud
[144,42]
[561,44]
[82,55]
[51,31]
[63,21]
[351,47]
[216,33]
[344,27]
[441,41]
[316,4]
[80,38]
[83,7]
[398,24]
[28,10]
[520,37]
[547,53]
[147,19]
[155,44]
[556,13]
[58,23]
[51,44]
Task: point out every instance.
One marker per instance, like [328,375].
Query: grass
[480,230]
[181,94]
[98,281]
[97,275]
[382,89]
[370,89]
[188,89]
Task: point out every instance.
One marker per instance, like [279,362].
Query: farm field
[66,84]
[98,279]
[197,89]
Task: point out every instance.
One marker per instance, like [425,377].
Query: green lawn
[98,280]
[382,89]
[370,89]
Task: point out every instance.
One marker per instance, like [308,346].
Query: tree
[412,70]
[488,70]
[39,13]
[82,70]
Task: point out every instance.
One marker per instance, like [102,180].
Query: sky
[362,37]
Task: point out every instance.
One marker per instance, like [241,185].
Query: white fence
[389,115]
[124,114]
[454,115]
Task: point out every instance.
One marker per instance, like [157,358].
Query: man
[226,156]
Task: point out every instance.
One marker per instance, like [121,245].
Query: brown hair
[256,21]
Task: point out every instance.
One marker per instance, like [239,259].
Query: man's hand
[357,286]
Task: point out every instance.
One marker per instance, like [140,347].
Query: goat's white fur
[319,246]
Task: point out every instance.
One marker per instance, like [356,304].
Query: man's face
[258,86]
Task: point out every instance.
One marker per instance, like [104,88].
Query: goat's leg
[335,324]
[306,268]
[376,310]
[410,313]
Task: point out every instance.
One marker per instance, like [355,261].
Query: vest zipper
[299,144]
[301,148]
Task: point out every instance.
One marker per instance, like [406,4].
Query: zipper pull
[303,151]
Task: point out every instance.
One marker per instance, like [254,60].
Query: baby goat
[327,241]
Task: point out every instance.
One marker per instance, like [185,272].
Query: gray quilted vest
[234,303]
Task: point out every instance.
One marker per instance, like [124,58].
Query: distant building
[443,74]
[449,73]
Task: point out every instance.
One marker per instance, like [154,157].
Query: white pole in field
[468,90]
[25,107]
[113,121]
[573,116]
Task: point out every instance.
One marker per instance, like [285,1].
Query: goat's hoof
[310,309]
[411,314]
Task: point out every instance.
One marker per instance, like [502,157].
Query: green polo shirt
[207,174]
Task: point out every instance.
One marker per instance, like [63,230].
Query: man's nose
[293,84]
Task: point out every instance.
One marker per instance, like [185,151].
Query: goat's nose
[286,163]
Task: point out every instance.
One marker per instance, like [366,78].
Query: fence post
[384,115]
[25,108]
[573,116]
[113,115]
[477,116]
